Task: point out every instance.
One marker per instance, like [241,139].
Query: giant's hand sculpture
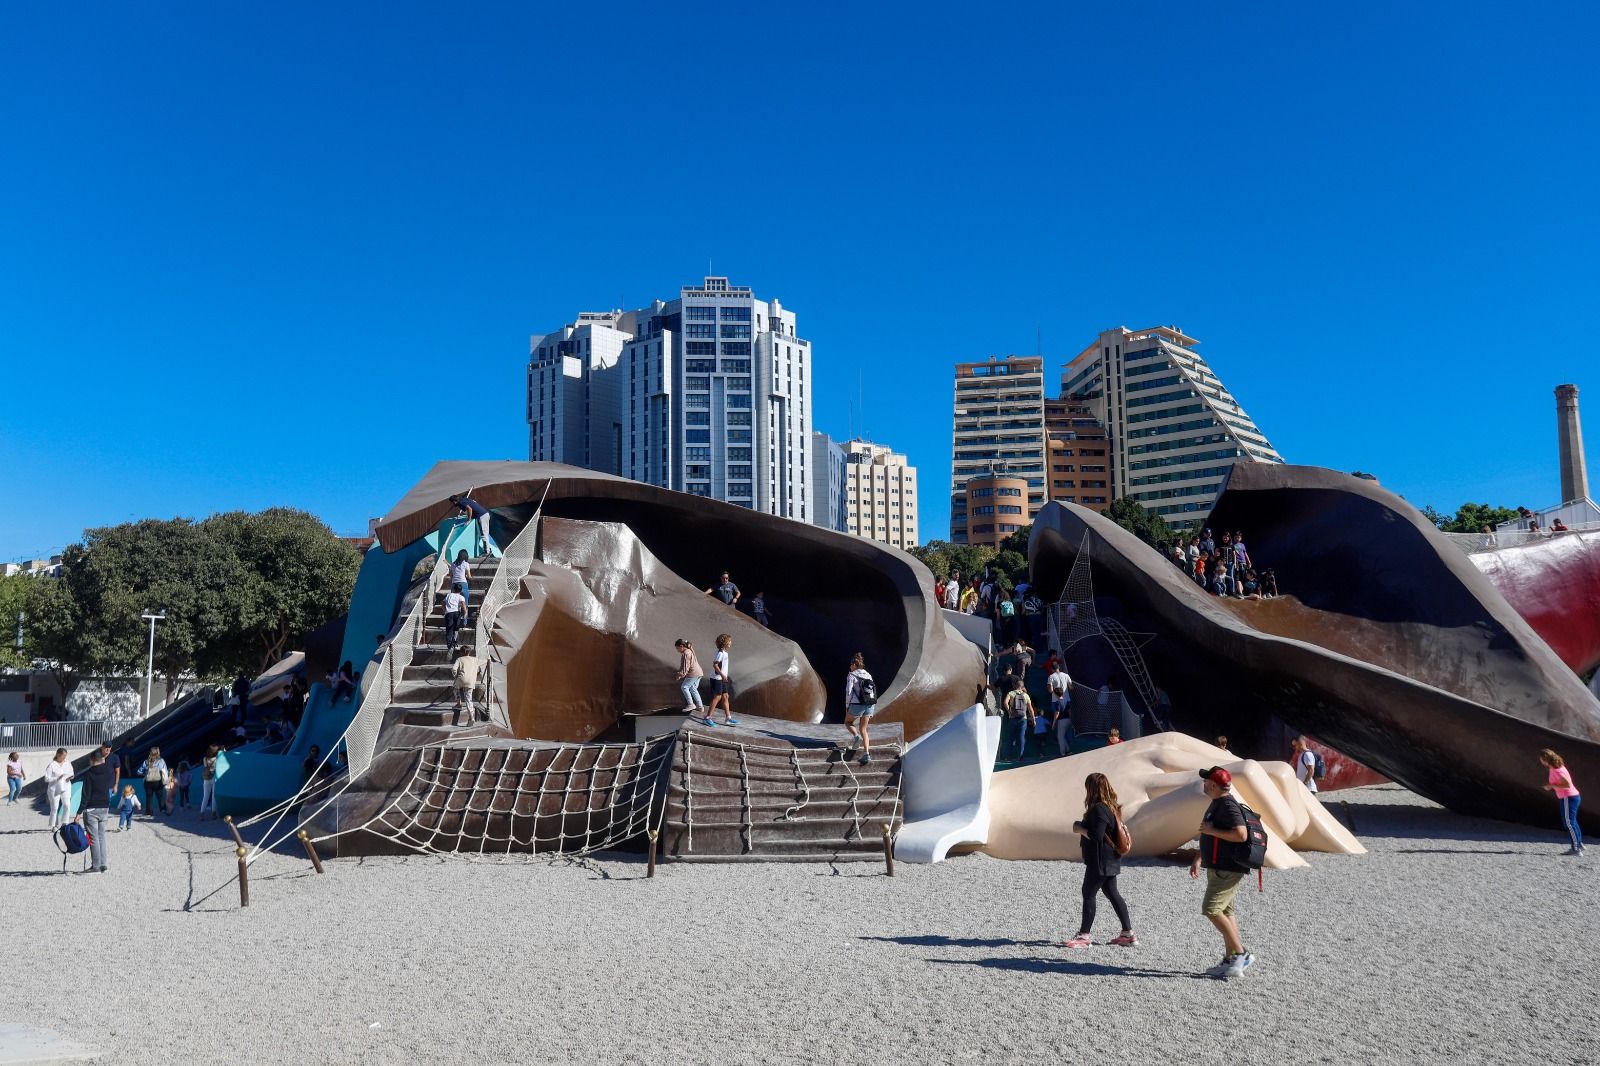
[1032,808]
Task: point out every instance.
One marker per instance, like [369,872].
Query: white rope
[855,812]
[688,786]
[792,814]
[416,817]
[744,780]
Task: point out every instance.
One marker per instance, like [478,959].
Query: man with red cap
[1222,832]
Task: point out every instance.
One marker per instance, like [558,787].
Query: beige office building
[880,494]
[999,426]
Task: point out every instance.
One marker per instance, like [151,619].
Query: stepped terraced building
[1174,429]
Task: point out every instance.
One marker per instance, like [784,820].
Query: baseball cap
[1217,775]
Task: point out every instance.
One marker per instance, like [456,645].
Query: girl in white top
[860,703]
[722,683]
[58,788]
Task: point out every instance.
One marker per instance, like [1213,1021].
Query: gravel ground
[1455,940]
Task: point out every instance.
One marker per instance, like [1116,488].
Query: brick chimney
[1569,437]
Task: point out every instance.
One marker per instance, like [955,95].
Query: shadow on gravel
[1457,851]
[1065,966]
[30,873]
[1379,821]
[933,940]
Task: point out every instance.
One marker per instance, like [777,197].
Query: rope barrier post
[237,839]
[888,850]
[651,870]
[311,852]
[244,877]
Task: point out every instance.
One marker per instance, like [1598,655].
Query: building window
[737,366]
[700,366]
[694,470]
[739,472]
[697,455]
[697,400]
[700,314]
[739,399]
[699,348]
[697,436]
[738,455]
[736,349]
[739,436]
[735,314]
[739,490]
[739,418]
[694,330]
[697,418]
[698,488]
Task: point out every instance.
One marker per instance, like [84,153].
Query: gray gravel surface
[1454,941]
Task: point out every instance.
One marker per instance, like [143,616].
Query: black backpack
[866,690]
[1320,771]
[1252,854]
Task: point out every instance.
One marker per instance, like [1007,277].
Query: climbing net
[519,803]
[1073,617]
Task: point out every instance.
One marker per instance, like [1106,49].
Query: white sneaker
[1220,968]
[1238,965]
[689,709]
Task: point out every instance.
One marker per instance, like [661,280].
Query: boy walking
[1222,831]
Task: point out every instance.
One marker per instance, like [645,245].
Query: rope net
[514,802]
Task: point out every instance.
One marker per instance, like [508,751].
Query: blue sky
[292,255]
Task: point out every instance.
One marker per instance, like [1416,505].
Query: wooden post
[311,852]
[888,850]
[654,833]
[244,877]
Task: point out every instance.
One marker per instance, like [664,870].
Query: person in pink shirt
[1560,782]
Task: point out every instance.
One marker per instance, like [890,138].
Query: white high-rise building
[880,494]
[828,503]
[1175,429]
[706,393]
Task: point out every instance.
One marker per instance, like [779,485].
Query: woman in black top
[1101,863]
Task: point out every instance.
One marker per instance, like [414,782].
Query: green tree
[1472,517]
[1131,515]
[15,593]
[294,574]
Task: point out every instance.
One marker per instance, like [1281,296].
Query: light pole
[150,669]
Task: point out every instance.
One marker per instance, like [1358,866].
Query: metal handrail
[47,736]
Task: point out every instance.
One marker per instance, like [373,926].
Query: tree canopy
[1131,515]
[237,589]
[1472,517]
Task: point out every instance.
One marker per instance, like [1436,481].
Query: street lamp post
[150,669]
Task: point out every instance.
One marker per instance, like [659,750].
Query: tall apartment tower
[829,501]
[880,494]
[572,403]
[1078,452]
[1175,430]
[706,394]
[999,426]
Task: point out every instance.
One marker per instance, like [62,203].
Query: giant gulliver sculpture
[1389,644]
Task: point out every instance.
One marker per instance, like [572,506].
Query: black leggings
[1093,885]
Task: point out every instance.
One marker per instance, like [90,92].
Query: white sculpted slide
[944,783]
[1032,808]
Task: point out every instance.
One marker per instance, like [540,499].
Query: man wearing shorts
[1222,829]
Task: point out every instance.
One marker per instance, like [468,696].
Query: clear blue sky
[240,247]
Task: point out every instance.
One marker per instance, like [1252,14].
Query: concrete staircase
[424,694]
[773,791]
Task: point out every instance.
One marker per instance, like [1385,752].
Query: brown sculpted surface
[1394,648]
[593,638]
[829,593]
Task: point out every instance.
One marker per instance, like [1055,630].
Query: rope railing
[516,561]
[360,738]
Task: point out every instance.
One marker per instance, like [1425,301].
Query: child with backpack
[1232,842]
[1105,841]
[125,808]
[860,704]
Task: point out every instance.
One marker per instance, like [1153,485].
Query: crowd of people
[1017,613]
[1224,566]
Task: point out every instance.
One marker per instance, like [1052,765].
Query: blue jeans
[13,789]
[690,687]
[1569,819]
[125,818]
[1019,726]
[94,820]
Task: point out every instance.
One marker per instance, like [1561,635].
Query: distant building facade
[1174,429]
[706,393]
[880,494]
[999,423]
[1078,451]
[996,505]
[829,499]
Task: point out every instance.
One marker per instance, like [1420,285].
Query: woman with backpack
[860,704]
[154,771]
[1105,842]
